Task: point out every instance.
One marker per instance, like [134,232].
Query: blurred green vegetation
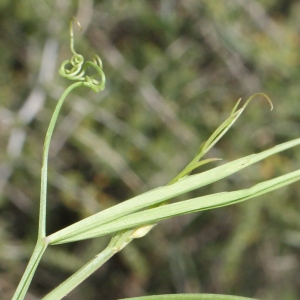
[174,71]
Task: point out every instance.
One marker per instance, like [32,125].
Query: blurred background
[174,70]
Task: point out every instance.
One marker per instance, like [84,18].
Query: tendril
[76,68]
[72,34]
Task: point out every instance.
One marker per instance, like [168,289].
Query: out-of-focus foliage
[174,70]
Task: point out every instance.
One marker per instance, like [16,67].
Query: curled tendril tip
[75,68]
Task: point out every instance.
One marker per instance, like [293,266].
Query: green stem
[44,172]
[117,243]
[30,270]
[78,277]
[41,244]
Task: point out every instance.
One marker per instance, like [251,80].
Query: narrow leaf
[154,215]
[217,135]
[161,194]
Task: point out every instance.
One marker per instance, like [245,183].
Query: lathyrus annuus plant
[135,217]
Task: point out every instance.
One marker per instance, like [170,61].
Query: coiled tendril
[78,68]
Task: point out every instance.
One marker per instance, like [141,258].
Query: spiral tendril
[75,68]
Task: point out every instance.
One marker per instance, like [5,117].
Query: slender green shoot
[96,82]
[136,217]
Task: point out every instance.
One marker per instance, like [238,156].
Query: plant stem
[44,172]
[117,243]
[41,243]
[36,256]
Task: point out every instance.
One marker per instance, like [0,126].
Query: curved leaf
[76,231]
[156,214]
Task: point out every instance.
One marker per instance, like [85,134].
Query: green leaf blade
[161,194]
[154,215]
